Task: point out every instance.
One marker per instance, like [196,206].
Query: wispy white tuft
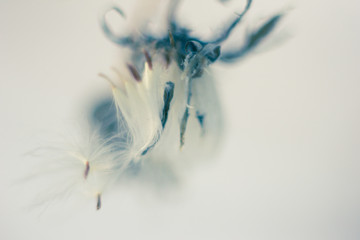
[167,113]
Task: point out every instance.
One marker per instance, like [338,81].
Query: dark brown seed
[134,72]
[98,204]
[87,169]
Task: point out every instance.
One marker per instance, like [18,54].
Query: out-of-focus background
[290,162]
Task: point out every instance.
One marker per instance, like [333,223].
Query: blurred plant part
[165,112]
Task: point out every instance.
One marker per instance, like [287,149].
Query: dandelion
[167,109]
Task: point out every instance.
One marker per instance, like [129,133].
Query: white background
[289,165]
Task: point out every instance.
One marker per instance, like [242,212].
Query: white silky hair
[91,165]
[141,104]
[166,103]
[62,170]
